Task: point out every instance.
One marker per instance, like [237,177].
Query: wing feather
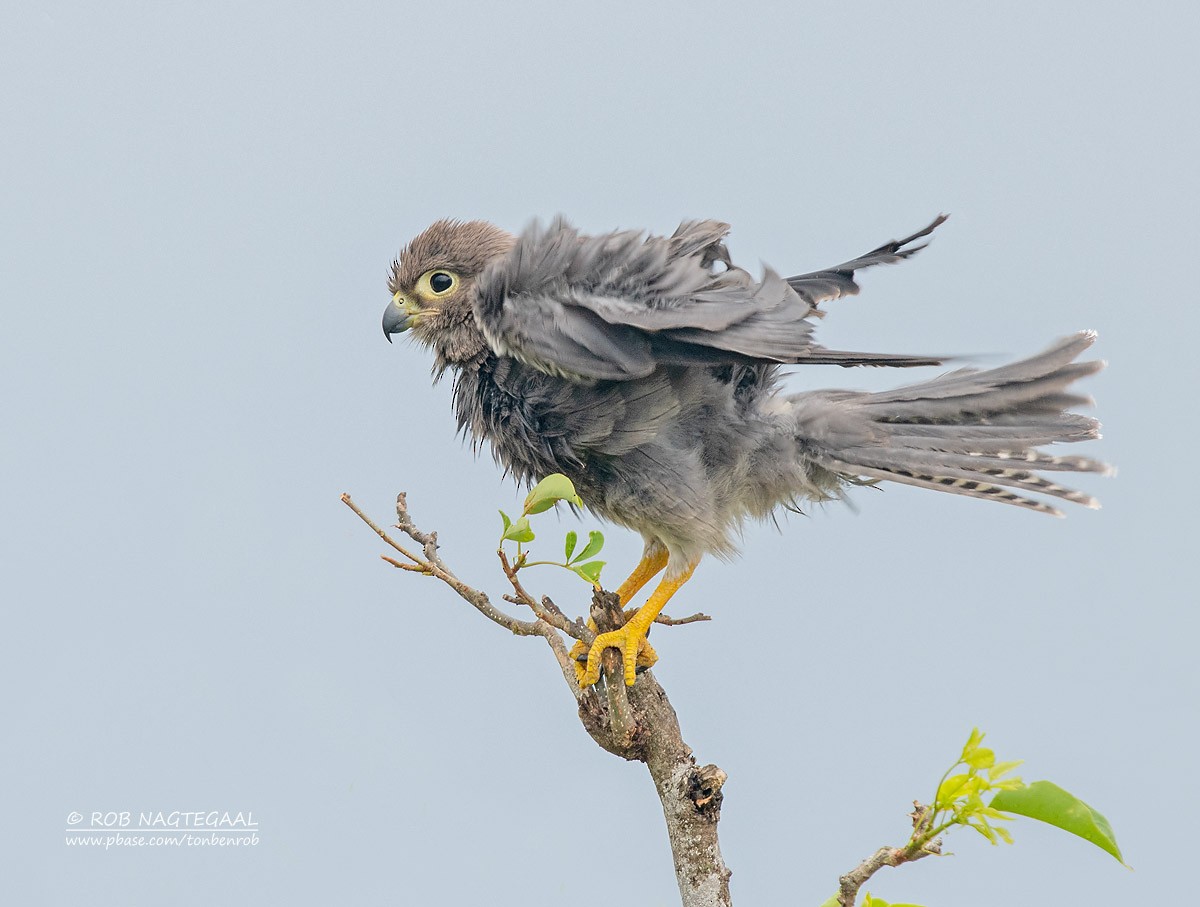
[838,281]
[616,306]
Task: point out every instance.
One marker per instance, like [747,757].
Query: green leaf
[831,902]
[518,531]
[1049,803]
[590,571]
[980,757]
[994,814]
[507,521]
[1002,768]
[972,744]
[550,491]
[951,788]
[984,829]
[1013,783]
[595,543]
[569,548]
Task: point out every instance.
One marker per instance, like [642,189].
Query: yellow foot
[629,640]
[581,653]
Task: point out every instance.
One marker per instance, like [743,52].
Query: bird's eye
[436,283]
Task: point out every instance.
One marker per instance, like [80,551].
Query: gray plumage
[621,306]
[647,369]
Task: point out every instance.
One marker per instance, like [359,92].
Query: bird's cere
[399,316]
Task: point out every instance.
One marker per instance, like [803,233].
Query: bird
[649,369]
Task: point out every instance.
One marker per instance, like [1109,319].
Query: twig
[378,531]
[680,621]
[563,657]
[427,540]
[551,615]
[522,597]
[851,882]
[415,568]
[434,567]
[551,607]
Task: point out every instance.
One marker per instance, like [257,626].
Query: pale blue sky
[200,204]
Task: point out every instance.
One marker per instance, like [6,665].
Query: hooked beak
[398,317]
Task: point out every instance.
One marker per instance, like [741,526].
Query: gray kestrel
[647,369]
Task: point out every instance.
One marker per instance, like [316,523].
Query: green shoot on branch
[977,791]
[545,495]
[959,798]
[960,801]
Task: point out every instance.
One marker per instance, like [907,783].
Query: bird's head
[433,284]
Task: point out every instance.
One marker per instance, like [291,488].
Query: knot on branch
[704,790]
[606,611]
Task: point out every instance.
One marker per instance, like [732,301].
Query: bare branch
[551,615]
[427,541]
[522,597]
[606,615]
[563,657]
[415,568]
[436,568]
[378,531]
[550,606]
[851,882]
[691,797]
[619,712]
[668,621]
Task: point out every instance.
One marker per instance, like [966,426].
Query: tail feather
[965,467]
[991,440]
[970,380]
[1038,460]
[969,488]
[973,433]
[1043,394]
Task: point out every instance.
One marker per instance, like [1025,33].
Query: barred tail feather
[970,432]
[969,487]
[942,472]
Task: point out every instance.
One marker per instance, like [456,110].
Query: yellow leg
[628,638]
[648,567]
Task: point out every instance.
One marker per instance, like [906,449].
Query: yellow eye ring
[437,283]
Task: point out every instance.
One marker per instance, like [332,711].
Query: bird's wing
[616,306]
